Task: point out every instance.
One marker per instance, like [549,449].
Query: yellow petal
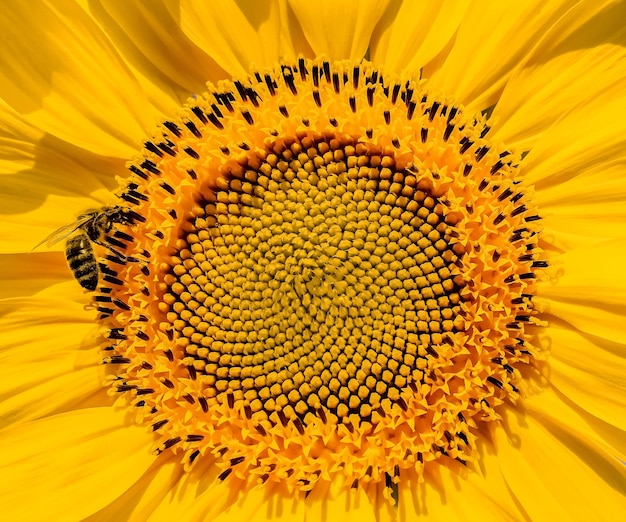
[410,34]
[69,466]
[542,93]
[45,183]
[150,39]
[237,35]
[554,477]
[27,274]
[60,69]
[139,501]
[590,376]
[549,406]
[490,43]
[579,170]
[339,29]
[588,290]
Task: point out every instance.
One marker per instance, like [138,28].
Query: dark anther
[243,146]
[118,359]
[528,275]
[370,96]
[410,110]
[496,166]
[432,112]
[316,98]
[322,415]
[146,365]
[326,69]
[172,212]
[171,442]
[505,194]
[102,299]
[150,167]
[463,437]
[230,398]
[352,102]
[215,121]
[116,333]
[524,258]
[299,426]
[539,264]
[485,130]
[288,77]
[261,430]
[248,411]
[140,404]
[432,351]
[395,92]
[282,417]
[387,116]
[302,68]
[499,219]
[192,372]
[113,280]
[483,184]
[517,197]
[203,404]
[195,438]
[167,383]
[167,187]
[189,398]
[167,149]
[355,484]
[248,117]
[369,133]
[125,387]
[481,152]
[522,318]
[159,424]
[192,153]
[159,234]
[143,335]
[105,311]
[199,114]
[452,114]
[145,270]
[495,381]
[217,110]
[509,279]
[396,143]
[424,135]
[402,403]
[448,132]
[138,171]
[237,460]
[121,304]
[467,169]
[356,74]
[153,148]
[241,90]
[192,174]
[336,85]
[225,151]
[465,143]
[532,218]
[518,210]
[194,130]
[333,122]
[513,326]
[420,457]
[316,76]
[283,110]
[145,391]
[123,235]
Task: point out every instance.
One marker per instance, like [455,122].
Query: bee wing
[62,233]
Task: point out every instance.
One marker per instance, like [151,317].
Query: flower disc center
[318,279]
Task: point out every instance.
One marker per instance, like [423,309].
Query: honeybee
[90,227]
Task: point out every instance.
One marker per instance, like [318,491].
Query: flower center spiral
[314,280]
[329,273]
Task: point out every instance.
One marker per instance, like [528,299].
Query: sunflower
[327,261]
